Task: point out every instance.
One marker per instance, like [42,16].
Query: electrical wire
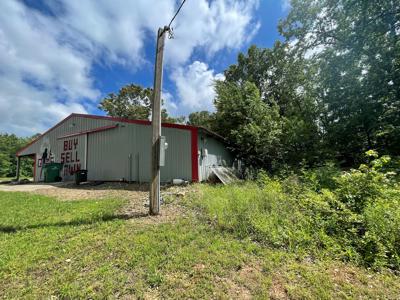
[177,12]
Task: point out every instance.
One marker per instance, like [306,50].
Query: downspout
[86,151]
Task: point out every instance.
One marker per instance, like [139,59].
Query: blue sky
[63,56]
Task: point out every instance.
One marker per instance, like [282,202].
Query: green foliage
[352,216]
[133,102]
[334,83]
[381,243]
[247,122]
[283,83]
[357,187]
[354,46]
[202,118]
[9,145]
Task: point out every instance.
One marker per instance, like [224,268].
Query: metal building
[114,149]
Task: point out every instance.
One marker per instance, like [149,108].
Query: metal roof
[123,120]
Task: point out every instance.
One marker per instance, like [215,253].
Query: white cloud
[117,29]
[46,60]
[40,79]
[211,26]
[195,87]
[112,31]
[169,104]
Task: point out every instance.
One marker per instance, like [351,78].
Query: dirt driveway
[136,195]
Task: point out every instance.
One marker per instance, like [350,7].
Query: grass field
[84,249]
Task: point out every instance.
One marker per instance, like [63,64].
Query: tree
[133,102]
[249,125]
[202,118]
[9,145]
[284,80]
[355,47]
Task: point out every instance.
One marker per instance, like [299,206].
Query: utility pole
[156,117]
[156,124]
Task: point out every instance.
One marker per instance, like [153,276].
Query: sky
[59,57]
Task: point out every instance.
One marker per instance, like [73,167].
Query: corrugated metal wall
[217,155]
[124,154]
[115,154]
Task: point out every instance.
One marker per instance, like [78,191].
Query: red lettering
[70,145]
[75,143]
[65,145]
[72,158]
[76,157]
[62,157]
[67,157]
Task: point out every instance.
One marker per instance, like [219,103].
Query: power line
[177,12]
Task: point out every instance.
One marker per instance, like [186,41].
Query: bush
[353,216]
[380,245]
[357,187]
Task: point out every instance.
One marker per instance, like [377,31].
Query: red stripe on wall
[195,157]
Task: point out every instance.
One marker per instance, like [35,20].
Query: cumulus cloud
[211,26]
[40,80]
[195,87]
[46,58]
[118,29]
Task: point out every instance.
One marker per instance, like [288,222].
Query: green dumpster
[80,176]
[52,172]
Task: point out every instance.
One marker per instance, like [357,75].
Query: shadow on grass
[76,222]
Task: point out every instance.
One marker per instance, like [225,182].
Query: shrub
[357,187]
[380,245]
[352,216]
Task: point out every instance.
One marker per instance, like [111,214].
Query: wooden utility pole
[156,124]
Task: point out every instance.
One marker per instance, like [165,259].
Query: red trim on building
[142,122]
[104,128]
[195,156]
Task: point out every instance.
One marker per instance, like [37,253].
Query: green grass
[81,249]
[25,211]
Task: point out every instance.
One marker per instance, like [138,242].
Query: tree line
[9,145]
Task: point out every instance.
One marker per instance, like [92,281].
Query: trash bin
[80,176]
[52,172]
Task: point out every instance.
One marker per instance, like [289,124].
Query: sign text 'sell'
[70,157]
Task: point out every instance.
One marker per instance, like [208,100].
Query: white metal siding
[218,155]
[114,154]
[70,126]
[124,154]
